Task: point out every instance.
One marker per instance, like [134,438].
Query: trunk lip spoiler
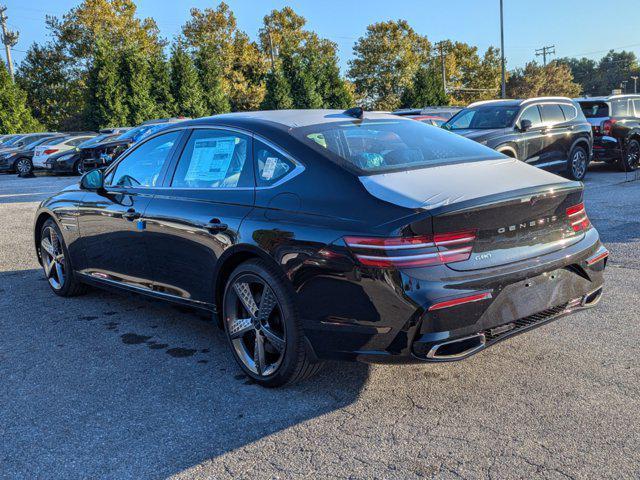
[506,196]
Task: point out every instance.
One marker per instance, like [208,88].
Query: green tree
[185,85]
[385,62]
[15,116]
[425,90]
[302,83]
[614,69]
[161,85]
[584,71]
[241,64]
[210,74]
[137,82]
[106,106]
[54,94]
[278,92]
[537,81]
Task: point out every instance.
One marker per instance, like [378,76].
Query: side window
[214,159]
[271,165]
[636,105]
[569,111]
[620,108]
[143,166]
[533,114]
[551,113]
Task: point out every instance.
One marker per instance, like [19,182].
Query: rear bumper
[388,319]
[606,149]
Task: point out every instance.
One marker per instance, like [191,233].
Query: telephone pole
[635,83]
[9,38]
[544,51]
[440,46]
[503,84]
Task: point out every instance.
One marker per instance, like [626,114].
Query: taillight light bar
[578,217]
[50,151]
[409,252]
[460,301]
[607,126]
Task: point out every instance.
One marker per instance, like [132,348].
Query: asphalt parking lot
[108,386]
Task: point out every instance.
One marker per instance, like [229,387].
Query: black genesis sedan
[323,234]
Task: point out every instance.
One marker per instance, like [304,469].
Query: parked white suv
[41,153]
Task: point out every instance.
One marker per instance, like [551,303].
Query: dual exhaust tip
[465,346]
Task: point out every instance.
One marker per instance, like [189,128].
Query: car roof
[606,98]
[289,118]
[520,101]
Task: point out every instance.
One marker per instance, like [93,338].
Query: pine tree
[185,85]
[301,81]
[137,83]
[15,116]
[278,93]
[105,105]
[425,90]
[210,74]
[161,85]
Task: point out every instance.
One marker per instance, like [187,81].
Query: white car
[42,152]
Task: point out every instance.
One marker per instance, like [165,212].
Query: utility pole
[9,38]
[273,60]
[635,83]
[544,51]
[440,46]
[503,88]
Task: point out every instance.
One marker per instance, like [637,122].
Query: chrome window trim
[297,170]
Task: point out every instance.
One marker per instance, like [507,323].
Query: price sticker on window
[269,168]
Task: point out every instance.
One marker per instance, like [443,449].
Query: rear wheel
[578,163]
[263,327]
[631,156]
[23,166]
[56,262]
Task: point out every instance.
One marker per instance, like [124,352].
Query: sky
[576,27]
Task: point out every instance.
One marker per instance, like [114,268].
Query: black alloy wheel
[23,166]
[631,156]
[578,163]
[263,328]
[56,263]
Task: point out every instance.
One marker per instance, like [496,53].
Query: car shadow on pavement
[105,385]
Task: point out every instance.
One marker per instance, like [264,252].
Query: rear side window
[569,111]
[551,113]
[382,145]
[594,109]
[271,165]
[214,159]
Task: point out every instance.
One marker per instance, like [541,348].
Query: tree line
[104,67]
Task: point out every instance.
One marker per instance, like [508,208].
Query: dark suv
[616,129]
[549,133]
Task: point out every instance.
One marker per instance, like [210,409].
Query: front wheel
[56,262]
[23,167]
[630,157]
[578,163]
[78,167]
[263,327]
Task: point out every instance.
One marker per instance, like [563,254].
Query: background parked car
[71,161]
[615,122]
[18,159]
[42,153]
[23,139]
[440,112]
[550,133]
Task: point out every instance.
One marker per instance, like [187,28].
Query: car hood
[438,186]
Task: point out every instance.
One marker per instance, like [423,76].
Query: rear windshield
[375,146]
[594,109]
[481,117]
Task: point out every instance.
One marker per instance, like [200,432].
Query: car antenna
[355,112]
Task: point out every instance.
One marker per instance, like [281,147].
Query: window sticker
[269,168]
[210,159]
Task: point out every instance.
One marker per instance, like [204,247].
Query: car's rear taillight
[410,252]
[578,217]
[49,151]
[607,126]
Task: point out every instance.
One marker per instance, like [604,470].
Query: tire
[78,168]
[578,163]
[631,156]
[23,167]
[56,262]
[263,327]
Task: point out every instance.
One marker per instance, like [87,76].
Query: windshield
[95,140]
[484,117]
[375,146]
[40,141]
[594,109]
[12,141]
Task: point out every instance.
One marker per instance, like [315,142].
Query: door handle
[131,215]
[215,226]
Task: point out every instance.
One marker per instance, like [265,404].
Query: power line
[544,51]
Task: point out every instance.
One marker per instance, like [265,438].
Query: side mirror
[525,125]
[93,180]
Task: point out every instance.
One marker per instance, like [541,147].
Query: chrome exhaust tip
[458,348]
[592,298]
